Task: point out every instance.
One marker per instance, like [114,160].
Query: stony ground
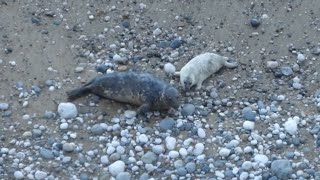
[258,121]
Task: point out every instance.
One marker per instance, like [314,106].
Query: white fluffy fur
[201,67]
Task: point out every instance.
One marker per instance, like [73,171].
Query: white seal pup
[201,67]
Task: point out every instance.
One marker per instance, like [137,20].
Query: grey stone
[181,171]
[123,176]
[281,168]
[97,129]
[167,124]
[286,70]
[149,157]
[4,106]
[46,153]
[191,167]
[188,110]
[248,114]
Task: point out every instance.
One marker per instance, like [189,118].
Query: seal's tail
[77,93]
[231,63]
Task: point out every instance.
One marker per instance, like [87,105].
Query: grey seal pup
[201,67]
[140,89]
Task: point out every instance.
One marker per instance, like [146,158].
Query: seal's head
[171,96]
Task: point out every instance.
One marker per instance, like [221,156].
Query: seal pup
[201,67]
[140,89]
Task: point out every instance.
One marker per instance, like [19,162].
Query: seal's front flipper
[144,108]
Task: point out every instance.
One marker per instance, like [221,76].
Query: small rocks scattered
[116,168]
[281,168]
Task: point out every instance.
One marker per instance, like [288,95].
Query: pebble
[248,125]
[129,114]
[68,147]
[97,129]
[38,175]
[158,149]
[67,110]
[64,126]
[49,115]
[116,168]
[157,32]
[188,110]
[18,175]
[181,171]
[201,133]
[255,22]
[286,70]
[191,167]
[300,58]
[246,165]
[4,106]
[46,153]
[170,142]
[281,168]
[176,43]
[261,158]
[104,160]
[272,64]
[198,149]
[167,124]
[79,69]
[291,126]
[173,154]
[169,68]
[102,68]
[118,59]
[143,138]
[149,158]
[123,176]
[224,152]
[248,114]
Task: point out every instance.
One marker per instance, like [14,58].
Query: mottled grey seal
[201,67]
[140,89]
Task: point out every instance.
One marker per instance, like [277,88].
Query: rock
[97,129]
[79,69]
[191,167]
[181,171]
[272,64]
[123,176]
[255,22]
[248,125]
[224,152]
[149,158]
[188,110]
[201,133]
[291,126]
[119,60]
[246,165]
[49,115]
[104,160]
[40,175]
[167,124]
[102,68]
[46,153]
[158,149]
[261,158]
[169,68]
[248,114]
[170,143]
[116,168]
[18,175]
[176,43]
[129,114]
[142,138]
[281,168]
[68,147]
[198,149]
[4,106]
[126,24]
[286,70]
[67,110]
[64,126]
[157,32]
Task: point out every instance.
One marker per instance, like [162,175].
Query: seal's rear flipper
[77,93]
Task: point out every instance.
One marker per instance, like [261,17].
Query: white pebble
[300,57]
[169,68]
[91,17]
[170,143]
[64,126]
[198,149]
[40,175]
[183,152]
[79,69]
[104,160]
[201,133]
[116,168]
[143,138]
[173,154]
[18,175]
[224,152]
[157,32]
[261,158]
[248,125]
[246,165]
[291,126]
[174,54]
[67,110]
